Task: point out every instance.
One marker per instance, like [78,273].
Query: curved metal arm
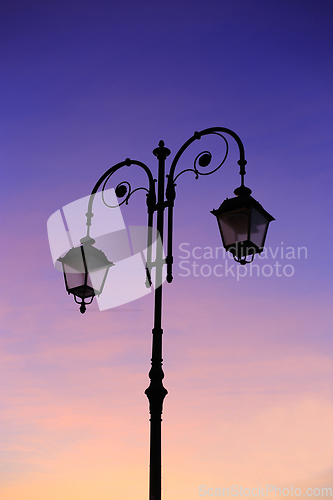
[213,130]
[124,188]
[151,197]
[203,159]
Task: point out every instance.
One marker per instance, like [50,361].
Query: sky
[247,358]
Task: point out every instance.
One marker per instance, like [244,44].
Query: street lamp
[243,224]
[85,270]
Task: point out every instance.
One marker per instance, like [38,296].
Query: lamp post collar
[161,152]
[87,240]
[242,191]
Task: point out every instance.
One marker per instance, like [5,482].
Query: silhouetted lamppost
[243,224]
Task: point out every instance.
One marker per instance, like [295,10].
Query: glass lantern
[243,225]
[85,270]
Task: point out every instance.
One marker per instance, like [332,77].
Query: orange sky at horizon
[84,422]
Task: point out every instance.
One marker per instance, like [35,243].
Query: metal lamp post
[243,224]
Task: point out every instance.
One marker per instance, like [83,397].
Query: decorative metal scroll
[124,188]
[203,159]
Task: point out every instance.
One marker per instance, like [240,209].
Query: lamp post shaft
[156,392]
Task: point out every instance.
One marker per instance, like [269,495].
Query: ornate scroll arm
[123,187]
[151,196]
[213,130]
[206,157]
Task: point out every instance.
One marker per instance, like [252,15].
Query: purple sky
[248,362]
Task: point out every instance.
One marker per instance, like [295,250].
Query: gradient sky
[248,362]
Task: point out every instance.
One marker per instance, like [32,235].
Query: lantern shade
[85,270]
[243,224]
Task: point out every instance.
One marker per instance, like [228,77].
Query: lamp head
[243,225]
[85,270]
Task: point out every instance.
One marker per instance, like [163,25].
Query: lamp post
[243,224]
